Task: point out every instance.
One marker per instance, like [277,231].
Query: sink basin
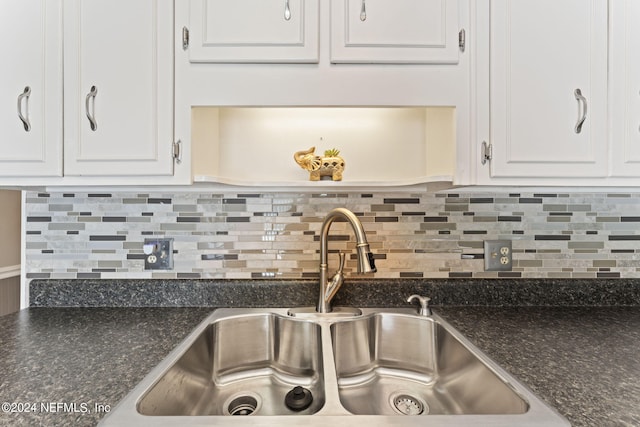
[374,367]
[397,364]
[242,365]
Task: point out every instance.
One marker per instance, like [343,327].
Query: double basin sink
[374,367]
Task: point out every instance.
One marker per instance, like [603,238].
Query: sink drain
[242,405]
[406,404]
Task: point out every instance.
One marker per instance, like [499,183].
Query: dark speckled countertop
[583,361]
[59,366]
[81,356]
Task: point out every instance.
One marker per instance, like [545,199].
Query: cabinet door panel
[399,31]
[254,31]
[625,88]
[538,59]
[30,45]
[124,50]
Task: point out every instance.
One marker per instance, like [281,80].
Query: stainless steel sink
[374,367]
[242,365]
[398,364]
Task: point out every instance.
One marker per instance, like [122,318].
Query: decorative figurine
[330,165]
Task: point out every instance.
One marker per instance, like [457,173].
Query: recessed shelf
[382,146]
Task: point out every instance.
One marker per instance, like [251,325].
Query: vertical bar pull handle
[582,109]
[24,117]
[91,99]
[363,11]
[287,10]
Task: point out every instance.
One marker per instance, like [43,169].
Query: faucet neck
[365,258]
[351,218]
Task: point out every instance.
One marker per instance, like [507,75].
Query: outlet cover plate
[498,255]
[158,254]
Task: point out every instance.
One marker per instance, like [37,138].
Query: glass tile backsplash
[275,235]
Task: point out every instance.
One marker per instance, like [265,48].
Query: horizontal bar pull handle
[582,109]
[24,96]
[91,96]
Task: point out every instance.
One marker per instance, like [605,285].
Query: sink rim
[125,413]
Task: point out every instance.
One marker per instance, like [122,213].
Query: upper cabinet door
[625,87]
[31,88]
[398,31]
[118,80]
[549,88]
[259,31]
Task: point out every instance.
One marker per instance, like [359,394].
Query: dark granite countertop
[355,292]
[582,361]
[66,362]
[81,357]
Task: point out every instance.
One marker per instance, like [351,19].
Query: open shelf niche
[381,146]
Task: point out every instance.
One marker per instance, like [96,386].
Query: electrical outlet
[158,254]
[498,255]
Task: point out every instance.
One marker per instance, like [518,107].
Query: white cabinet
[399,31]
[253,31]
[289,31]
[31,88]
[405,54]
[118,86]
[548,88]
[77,61]
[625,88]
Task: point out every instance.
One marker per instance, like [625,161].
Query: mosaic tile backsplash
[276,235]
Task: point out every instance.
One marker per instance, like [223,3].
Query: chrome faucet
[366,264]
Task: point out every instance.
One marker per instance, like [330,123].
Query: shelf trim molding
[325,184]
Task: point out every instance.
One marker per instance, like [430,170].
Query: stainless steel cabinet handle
[582,106]
[363,11]
[24,117]
[287,10]
[91,114]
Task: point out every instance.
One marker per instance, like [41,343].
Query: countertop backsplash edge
[358,292]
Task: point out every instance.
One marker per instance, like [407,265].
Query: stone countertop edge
[355,292]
